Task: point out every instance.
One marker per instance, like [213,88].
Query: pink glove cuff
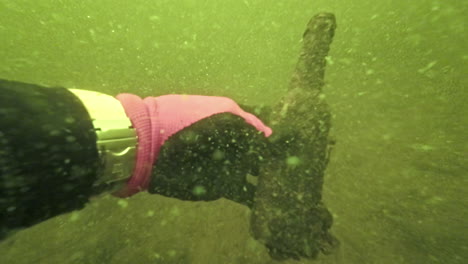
[157,118]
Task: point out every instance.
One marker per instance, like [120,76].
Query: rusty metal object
[288,214]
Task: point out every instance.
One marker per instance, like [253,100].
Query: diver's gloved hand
[158,118]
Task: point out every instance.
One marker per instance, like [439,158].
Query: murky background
[396,82]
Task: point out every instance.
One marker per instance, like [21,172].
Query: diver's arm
[60,146]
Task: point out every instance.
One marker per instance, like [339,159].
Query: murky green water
[396,82]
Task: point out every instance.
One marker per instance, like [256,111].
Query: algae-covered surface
[395,82]
[143,229]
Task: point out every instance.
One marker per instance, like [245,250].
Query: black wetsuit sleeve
[48,155]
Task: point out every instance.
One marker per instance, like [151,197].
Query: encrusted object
[288,214]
